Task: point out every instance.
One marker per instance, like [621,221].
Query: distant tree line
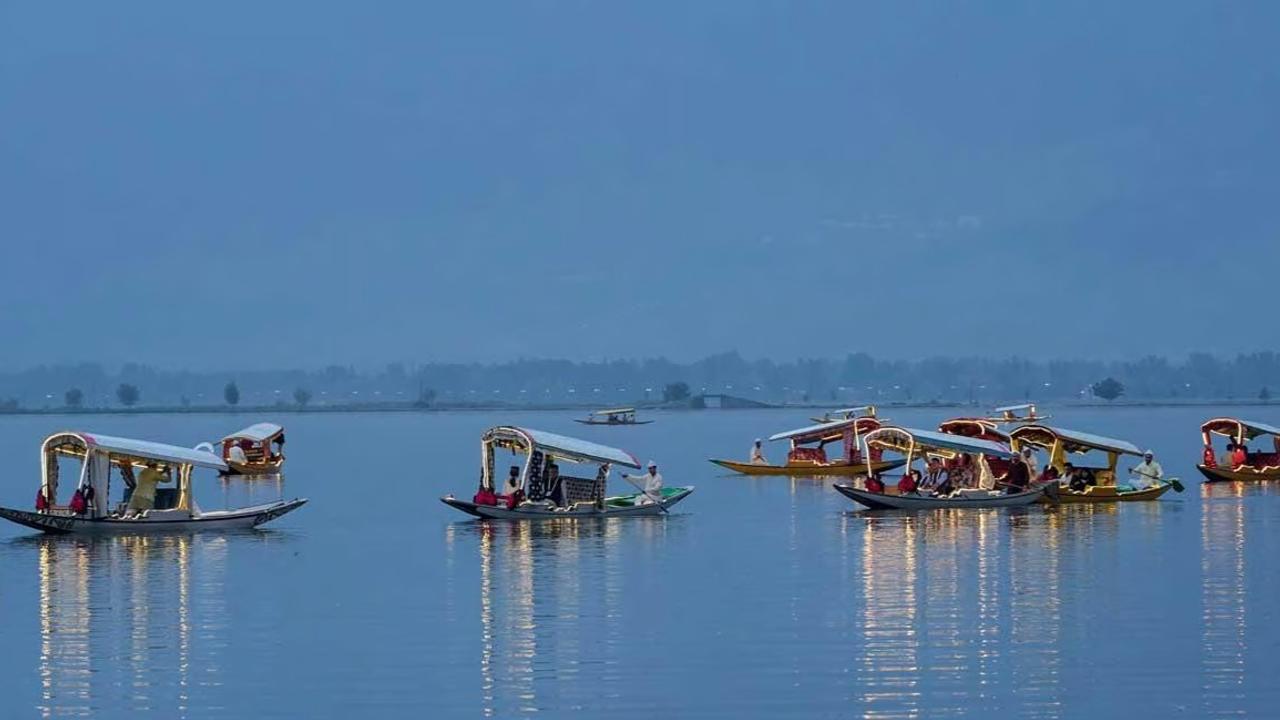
[857,377]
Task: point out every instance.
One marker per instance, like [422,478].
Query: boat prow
[619,506]
[156,521]
[963,499]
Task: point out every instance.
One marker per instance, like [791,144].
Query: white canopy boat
[613,416]
[91,511]
[261,450]
[922,444]
[545,492]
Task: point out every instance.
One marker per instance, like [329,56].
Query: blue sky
[294,184]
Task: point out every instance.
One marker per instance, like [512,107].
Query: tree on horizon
[128,394]
[1108,389]
[302,396]
[231,393]
[74,398]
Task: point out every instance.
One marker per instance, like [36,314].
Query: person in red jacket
[907,485]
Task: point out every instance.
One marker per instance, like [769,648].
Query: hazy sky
[275,184]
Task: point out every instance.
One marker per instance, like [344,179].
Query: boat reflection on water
[123,625]
[1225,613]
[946,618]
[551,605]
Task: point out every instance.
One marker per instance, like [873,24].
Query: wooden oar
[1173,482]
[656,501]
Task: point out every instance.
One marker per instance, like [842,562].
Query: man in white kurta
[651,482]
[757,454]
[1148,472]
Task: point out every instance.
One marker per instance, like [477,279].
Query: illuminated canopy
[1240,429]
[259,433]
[561,446]
[902,439]
[828,431]
[1072,440]
[137,449]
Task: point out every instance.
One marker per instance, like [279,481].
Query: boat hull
[882,501]
[1105,495]
[535,512]
[242,519]
[834,469]
[1217,474]
[271,468]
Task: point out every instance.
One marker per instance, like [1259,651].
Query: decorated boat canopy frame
[828,432]
[1072,441]
[1236,429]
[913,441]
[563,447]
[81,444]
[983,428]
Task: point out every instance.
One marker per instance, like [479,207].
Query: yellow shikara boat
[1092,484]
[846,414]
[1257,466]
[808,455]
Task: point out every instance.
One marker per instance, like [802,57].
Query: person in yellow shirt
[144,495]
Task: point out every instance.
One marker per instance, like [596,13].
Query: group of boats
[964,462]
[105,473]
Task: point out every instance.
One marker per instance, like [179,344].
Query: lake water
[757,598]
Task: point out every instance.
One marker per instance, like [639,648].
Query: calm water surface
[759,598]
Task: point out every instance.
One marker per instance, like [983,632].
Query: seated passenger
[1239,456]
[757,454]
[1018,479]
[1207,457]
[554,485]
[512,492]
[908,484]
[874,484]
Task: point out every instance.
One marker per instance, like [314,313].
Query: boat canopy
[616,411]
[828,431]
[65,443]
[1015,408]
[905,440]
[983,428]
[561,446]
[259,433]
[1072,440]
[1240,430]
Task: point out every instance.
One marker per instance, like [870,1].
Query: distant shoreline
[582,409]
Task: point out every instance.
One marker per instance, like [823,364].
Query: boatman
[1148,472]
[757,454]
[650,483]
[144,495]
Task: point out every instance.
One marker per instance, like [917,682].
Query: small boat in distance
[808,455]
[92,510]
[1223,467]
[862,411]
[613,416]
[924,444]
[255,450]
[544,492]
[1086,484]
[1009,414]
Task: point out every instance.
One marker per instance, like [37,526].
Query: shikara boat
[1099,482]
[1257,465]
[846,414]
[91,509]
[547,493]
[261,450]
[917,444]
[808,456]
[614,416]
